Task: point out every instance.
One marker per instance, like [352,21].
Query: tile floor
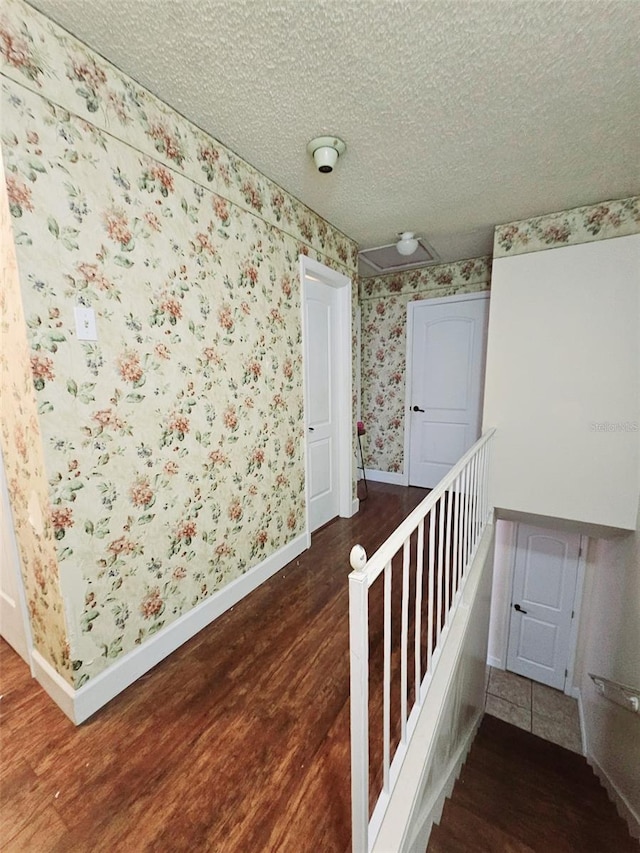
[534,707]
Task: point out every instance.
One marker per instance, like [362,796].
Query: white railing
[400,627]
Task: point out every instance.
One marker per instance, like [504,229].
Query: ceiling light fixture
[407,244]
[325,151]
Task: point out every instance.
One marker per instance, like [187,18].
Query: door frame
[347,506]
[15,563]
[411,308]
[569,689]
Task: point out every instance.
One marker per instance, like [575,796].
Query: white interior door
[320,306]
[542,603]
[12,608]
[448,350]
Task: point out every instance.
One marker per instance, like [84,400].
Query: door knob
[519,609]
[310,429]
[417,409]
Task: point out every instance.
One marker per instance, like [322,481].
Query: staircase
[520,793]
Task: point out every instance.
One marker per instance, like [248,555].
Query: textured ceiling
[458,114]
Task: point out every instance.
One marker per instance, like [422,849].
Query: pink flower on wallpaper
[170,468]
[92,275]
[117,226]
[171,306]
[141,493]
[287,369]
[290,447]
[217,457]
[106,417]
[121,546]
[186,530]
[254,369]
[291,520]
[223,550]
[556,234]
[41,369]
[221,208]
[252,196]
[61,519]
[235,510]
[89,73]
[17,52]
[129,366]
[152,604]
[19,194]
[163,175]
[166,142]
[261,538]
[179,423]
[258,456]
[286,286]
[225,318]
[230,418]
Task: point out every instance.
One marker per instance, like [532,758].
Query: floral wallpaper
[23,460]
[383,303]
[569,227]
[172,444]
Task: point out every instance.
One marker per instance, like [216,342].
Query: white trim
[54,684]
[494,662]
[434,812]
[344,355]
[408,373]
[623,806]
[80,704]
[575,622]
[355,506]
[385,477]
[583,722]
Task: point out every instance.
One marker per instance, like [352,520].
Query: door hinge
[566,673]
[573,613]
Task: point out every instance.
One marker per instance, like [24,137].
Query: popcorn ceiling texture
[457,114]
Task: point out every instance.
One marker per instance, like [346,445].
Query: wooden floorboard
[237,742]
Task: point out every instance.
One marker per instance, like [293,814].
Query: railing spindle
[404,642]
[440,564]
[430,587]
[418,622]
[386,696]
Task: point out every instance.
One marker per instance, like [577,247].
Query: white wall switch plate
[85,323]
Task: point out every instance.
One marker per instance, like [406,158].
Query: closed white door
[12,609]
[448,350]
[320,307]
[542,603]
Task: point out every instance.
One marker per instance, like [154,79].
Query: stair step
[518,792]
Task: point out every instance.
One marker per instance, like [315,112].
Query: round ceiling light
[325,151]
[407,244]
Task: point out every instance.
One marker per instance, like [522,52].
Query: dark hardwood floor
[518,793]
[237,742]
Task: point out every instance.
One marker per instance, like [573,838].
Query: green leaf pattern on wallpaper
[173,443]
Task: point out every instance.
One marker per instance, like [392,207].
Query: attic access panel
[384,259]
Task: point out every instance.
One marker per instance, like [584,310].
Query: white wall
[609,645]
[563,356]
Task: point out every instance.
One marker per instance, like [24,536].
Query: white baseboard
[386,477]
[583,727]
[621,803]
[80,704]
[53,683]
[355,506]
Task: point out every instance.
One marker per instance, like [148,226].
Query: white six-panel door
[447,358]
[542,603]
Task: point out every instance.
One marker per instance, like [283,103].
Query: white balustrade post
[359,667]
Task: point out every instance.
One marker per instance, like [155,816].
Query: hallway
[239,741]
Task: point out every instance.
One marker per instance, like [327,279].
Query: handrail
[449,524]
[376,563]
[622,694]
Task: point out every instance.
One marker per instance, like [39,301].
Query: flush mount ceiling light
[407,244]
[325,151]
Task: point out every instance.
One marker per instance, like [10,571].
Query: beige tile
[514,688]
[554,704]
[564,732]
[510,713]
